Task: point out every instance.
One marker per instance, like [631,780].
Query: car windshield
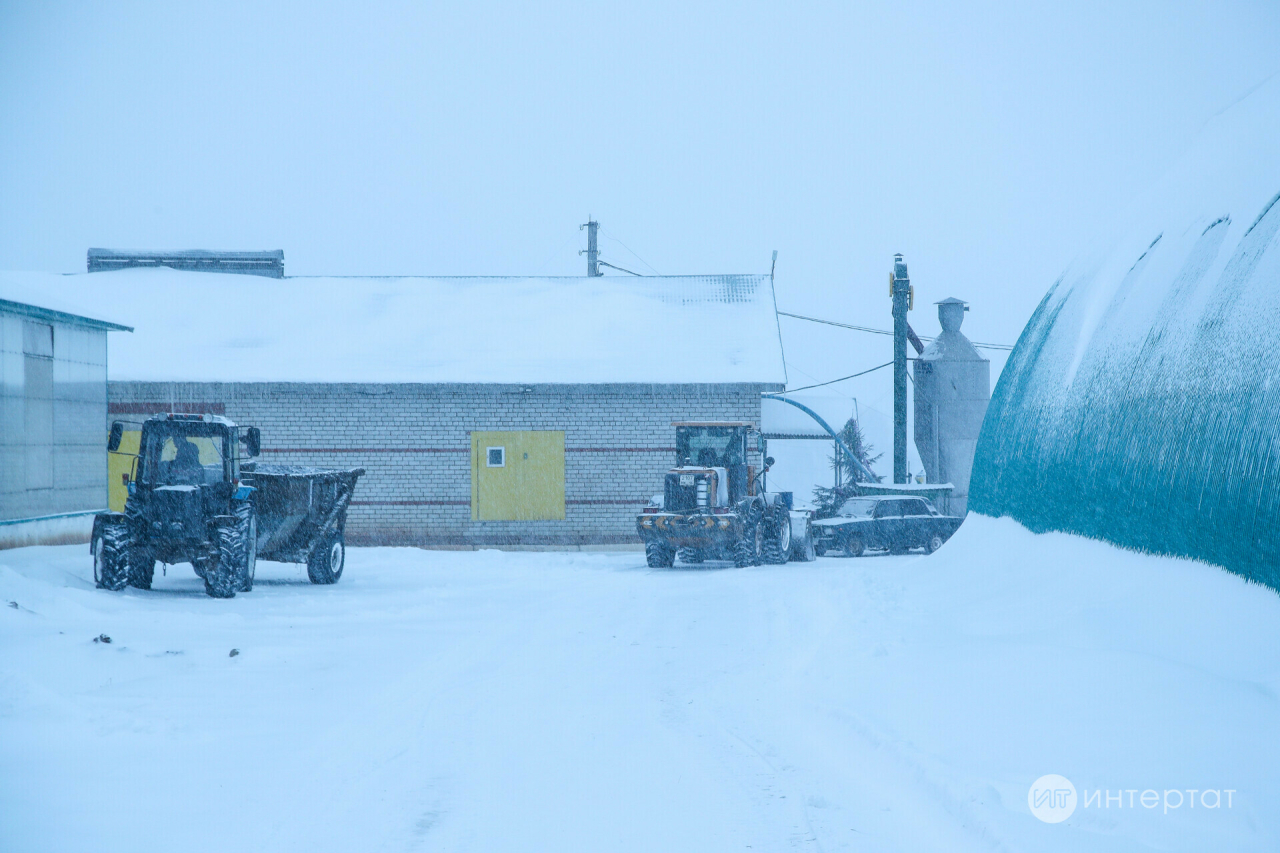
[184,454]
[710,447]
[857,508]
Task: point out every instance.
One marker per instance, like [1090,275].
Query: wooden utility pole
[900,290]
[593,253]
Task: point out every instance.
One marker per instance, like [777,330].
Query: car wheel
[853,547]
[934,543]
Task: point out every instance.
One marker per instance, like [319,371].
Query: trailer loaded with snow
[191,499]
[714,505]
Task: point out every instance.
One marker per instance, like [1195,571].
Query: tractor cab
[716,465]
[180,451]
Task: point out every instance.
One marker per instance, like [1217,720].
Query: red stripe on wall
[454,450]
[162,408]
[411,503]
[620,502]
[619,450]
[366,450]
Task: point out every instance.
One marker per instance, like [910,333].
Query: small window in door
[496,457]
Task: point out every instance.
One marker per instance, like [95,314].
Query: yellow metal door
[118,465]
[517,476]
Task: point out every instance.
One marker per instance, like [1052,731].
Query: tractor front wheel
[659,556]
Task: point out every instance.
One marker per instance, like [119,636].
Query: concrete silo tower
[952,390]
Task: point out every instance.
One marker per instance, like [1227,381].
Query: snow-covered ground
[552,701]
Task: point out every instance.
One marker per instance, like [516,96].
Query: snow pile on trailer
[1140,403]
[210,327]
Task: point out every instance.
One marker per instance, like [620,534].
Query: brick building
[487,411]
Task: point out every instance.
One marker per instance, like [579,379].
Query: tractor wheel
[220,578]
[247,558]
[746,551]
[328,560]
[110,557]
[777,545]
[853,547]
[691,555]
[658,555]
[142,568]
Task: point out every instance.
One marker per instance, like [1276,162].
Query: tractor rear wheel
[658,555]
[142,568]
[110,557]
[691,555]
[777,545]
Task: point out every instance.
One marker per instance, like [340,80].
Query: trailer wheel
[777,545]
[658,555]
[327,560]
[110,557]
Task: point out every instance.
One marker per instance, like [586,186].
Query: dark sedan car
[893,523]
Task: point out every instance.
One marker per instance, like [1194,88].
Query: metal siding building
[53,421]
[487,412]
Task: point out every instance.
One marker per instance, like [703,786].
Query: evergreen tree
[828,500]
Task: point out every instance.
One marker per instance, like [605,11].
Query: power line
[629,249]
[1004,347]
[612,267]
[841,379]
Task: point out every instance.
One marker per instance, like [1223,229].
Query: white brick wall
[414,441]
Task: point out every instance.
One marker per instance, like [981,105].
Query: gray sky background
[988,143]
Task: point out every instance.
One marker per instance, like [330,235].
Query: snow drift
[489,701]
[1139,405]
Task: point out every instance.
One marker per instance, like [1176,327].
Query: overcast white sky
[988,144]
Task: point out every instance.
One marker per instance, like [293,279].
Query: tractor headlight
[724,524]
[646,522]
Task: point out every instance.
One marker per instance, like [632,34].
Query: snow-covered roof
[32,300]
[192,326]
